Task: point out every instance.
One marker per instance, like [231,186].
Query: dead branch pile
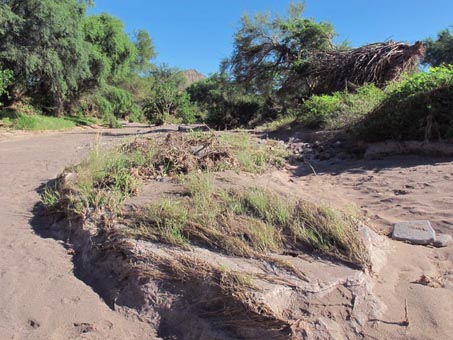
[180,154]
[376,63]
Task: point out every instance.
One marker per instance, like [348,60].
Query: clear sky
[199,33]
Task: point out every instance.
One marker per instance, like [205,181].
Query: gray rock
[442,240]
[417,232]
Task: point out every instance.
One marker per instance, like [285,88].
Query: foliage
[43,44]
[419,108]
[167,97]
[112,52]
[6,78]
[440,51]
[145,51]
[340,108]
[226,103]
[270,51]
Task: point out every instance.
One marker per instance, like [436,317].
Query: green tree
[42,42]
[270,51]
[227,105]
[167,97]
[440,51]
[145,52]
[111,50]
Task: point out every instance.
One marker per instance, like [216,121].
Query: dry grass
[252,223]
[225,294]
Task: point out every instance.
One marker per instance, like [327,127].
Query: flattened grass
[252,223]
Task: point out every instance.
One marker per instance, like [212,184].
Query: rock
[442,240]
[417,232]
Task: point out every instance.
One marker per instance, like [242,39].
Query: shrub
[109,103]
[418,108]
[340,108]
[226,104]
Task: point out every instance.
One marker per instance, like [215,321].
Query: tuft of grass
[50,196]
[253,156]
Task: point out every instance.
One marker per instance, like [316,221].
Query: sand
[41,297]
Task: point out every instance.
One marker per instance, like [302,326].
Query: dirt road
[40,298]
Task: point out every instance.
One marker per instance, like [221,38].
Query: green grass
[36,122]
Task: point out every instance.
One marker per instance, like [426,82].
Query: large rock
[417,232]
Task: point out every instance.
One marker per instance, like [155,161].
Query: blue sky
[199,34]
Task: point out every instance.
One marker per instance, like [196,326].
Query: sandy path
[40,298]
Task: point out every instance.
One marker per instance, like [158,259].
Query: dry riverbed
[405,293]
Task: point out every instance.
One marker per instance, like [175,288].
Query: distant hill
[192,76]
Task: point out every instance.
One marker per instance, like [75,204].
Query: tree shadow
[358,166]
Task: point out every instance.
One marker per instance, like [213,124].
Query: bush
[226,104]
[340,108]
[418,108]
[109,103]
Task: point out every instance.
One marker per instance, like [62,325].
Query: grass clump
[38,122]
[280,124]
[101,182]
[254,223]
[252,156]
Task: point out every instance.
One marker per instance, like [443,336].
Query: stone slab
[417,232]
[442,240]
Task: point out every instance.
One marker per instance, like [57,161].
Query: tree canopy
[41,41]
[268,50]
[440,51]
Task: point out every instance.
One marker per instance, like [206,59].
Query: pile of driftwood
[377,63]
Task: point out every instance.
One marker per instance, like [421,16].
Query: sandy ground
[40,297]
[390,190]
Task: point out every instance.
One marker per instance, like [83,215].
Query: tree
[145,52]
[226,104]
[440,51]
[111,50]
[41,41]
[167,97]
[268,52]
